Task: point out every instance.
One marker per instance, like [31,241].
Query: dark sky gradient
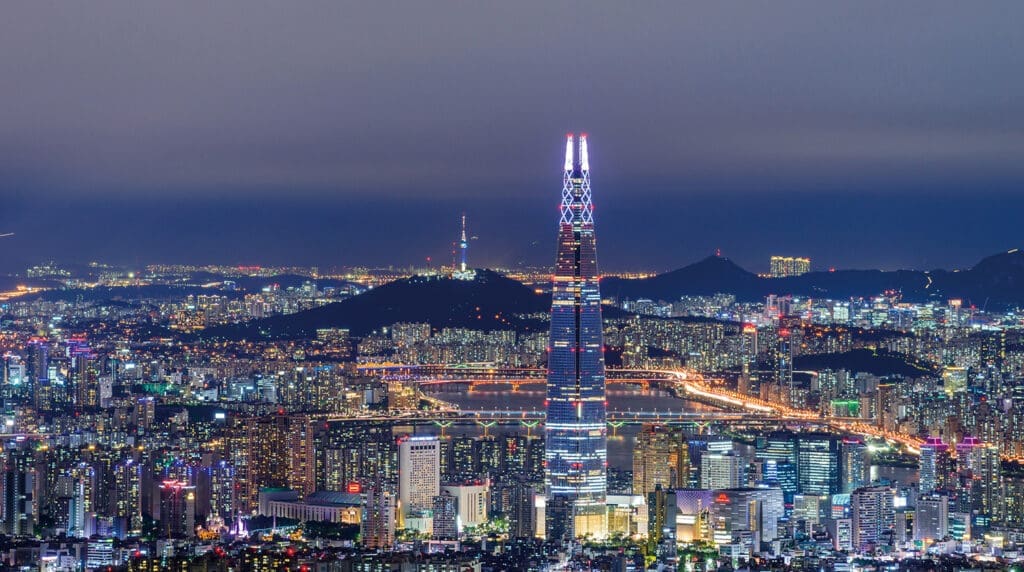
[869,134]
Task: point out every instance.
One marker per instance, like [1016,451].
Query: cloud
[370,98]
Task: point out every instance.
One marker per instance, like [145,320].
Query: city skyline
[277,289]
[738,447]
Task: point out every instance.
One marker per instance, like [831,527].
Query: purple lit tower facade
[575,430]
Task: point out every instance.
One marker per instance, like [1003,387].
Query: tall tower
[461,271]
[575,430]
[463,245]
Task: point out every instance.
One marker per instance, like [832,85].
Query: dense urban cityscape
[328,286]
[248,418]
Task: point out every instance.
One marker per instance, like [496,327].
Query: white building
[721,471]
[419,473]
[471,500]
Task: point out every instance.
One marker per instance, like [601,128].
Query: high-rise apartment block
[785,266]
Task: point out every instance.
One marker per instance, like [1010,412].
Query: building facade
[575,431]
[419,473]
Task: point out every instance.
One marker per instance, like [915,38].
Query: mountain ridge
[996,280]
[489,301]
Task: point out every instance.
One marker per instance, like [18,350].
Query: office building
[855,465]
[722,471]
[931,518]
[471,501]
[419,473]
[873,516]
[748,510]
[659,458]
[575,430]
[522,516]
[661,515]
[818,464]
[19,482]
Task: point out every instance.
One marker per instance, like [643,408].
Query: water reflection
[531,398]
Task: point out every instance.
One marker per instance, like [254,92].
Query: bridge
[739,408]
[531,420]
[471,376]
[410,372]
[471,384]
[685,383]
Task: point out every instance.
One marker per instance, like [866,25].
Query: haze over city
[876,136]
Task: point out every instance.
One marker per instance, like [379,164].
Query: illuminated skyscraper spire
[584,157]
[575,429]
[568,154]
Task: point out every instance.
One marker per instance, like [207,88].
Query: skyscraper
[446,517]
[756,511]
[856,469]
[657,460]
[177,509]
[819,464]
[721,471]
[378,521]
[39,374]
[936,465]
[522,520]
[784,365]
[419,473]
[575,431]
[931,520]
[17,515]
[873,516]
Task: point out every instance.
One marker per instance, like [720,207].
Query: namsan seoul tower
[463,245]
[575,431]
[462,271]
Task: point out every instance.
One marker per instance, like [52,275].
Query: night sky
[866,134]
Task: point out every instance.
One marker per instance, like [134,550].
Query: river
[621,440]
[531,397]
